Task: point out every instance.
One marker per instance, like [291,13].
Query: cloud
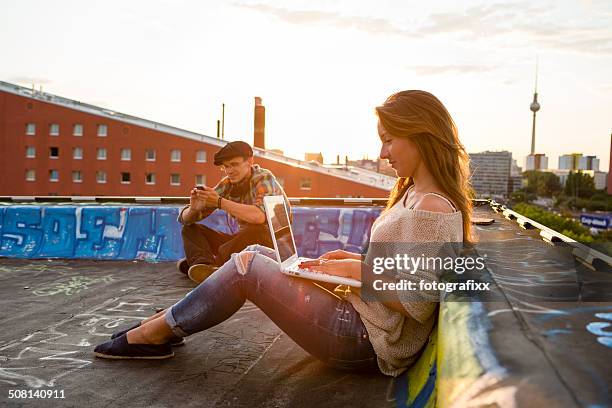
[478,20]
[525,24]
[528,25]
[451,69]
[568,38]
[372,25]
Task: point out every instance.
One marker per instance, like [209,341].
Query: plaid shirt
[250,191]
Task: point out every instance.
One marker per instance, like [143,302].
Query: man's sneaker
[199,272]
[182,266]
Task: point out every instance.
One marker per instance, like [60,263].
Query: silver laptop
[284,245]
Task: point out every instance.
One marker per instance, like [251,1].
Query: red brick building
[51,145]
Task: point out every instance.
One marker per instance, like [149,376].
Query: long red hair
[421,117]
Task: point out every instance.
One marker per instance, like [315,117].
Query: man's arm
[248,213]
[196,209]
[190,216]
[245,212]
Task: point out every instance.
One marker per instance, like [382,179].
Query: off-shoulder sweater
[395,337]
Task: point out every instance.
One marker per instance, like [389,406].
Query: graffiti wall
[153,233]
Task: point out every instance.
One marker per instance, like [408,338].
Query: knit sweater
[395,337]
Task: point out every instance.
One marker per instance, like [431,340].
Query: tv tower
[534,107]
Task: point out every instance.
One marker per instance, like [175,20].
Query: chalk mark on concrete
[30,365]
[73,286]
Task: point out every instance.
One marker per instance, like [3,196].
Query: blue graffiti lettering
[598,329]
[152,233]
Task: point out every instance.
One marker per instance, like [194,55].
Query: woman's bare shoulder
[434,203]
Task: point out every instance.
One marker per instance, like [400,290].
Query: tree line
[578,193]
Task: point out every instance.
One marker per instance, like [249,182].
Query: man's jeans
[204,245]
[323,324]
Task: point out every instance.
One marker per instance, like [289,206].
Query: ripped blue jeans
[323,324]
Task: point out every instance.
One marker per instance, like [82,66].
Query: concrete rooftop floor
[55,312]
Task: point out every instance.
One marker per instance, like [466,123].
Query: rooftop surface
[545,342]
[58,311]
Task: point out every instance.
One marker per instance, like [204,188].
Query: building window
[54,129]
[125,178]
[101,177]
[77,176]
[305,183]
[175,179]
[30,175]
[102,130]
[150,178]
[175,155]
[201,156]
[54,152]
[31,129]
[150,155]
[200,180]
[53,176]
[101,154]
[77,153]
[126,154]
[77,130]
[30,152]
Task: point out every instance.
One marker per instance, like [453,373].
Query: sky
[322,66]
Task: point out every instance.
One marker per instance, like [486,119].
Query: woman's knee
[254,263]
[243,260]
[255,248]
[261,249]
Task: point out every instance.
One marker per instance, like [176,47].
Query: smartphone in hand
[199,187]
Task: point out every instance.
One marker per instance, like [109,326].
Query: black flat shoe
[122,332]
[174,341]
[120,349]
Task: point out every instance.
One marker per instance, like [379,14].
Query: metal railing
[596,259]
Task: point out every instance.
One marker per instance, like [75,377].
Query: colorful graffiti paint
[153,233]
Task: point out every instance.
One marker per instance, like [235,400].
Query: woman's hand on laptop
[345,268]
[339,254]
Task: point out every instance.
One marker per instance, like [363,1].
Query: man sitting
[240,193]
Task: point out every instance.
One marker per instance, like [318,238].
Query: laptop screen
[282,232]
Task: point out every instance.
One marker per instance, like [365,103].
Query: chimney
[259,125]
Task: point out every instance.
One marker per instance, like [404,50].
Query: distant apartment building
[51,145]
[600,178]
[536,161]
[589,163]
[491,173]
[276,151]
[379,165]
[569,161]
[313,157]
[516,177]
[576,161]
